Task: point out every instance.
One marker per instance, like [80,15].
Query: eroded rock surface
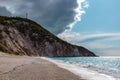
[24,37]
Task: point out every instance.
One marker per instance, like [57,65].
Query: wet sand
[32,68]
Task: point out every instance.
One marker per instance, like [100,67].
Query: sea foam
[84,73]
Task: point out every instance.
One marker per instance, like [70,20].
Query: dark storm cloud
[54,15]
[4,12]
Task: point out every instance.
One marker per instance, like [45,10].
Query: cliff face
[24,37]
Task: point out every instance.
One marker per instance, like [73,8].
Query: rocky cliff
[22,36]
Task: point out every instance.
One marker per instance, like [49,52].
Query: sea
[91,68]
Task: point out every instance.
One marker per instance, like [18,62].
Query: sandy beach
[31,68]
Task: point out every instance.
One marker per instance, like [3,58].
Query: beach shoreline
[87,72]
[32,68]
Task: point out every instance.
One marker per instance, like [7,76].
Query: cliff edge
[21,36]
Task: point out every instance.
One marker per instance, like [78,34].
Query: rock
[21,36]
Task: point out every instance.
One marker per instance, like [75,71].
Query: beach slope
[32,68]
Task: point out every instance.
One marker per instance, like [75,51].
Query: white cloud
[54,15]
[104,43]
[86,4]
[79,11]
[61,15]
[86,37]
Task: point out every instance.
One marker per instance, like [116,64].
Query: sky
[94,24]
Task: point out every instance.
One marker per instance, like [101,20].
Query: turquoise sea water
[93,68]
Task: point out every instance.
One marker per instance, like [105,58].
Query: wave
[109,72]
[86,73]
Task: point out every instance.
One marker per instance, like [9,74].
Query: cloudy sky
[94,24]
